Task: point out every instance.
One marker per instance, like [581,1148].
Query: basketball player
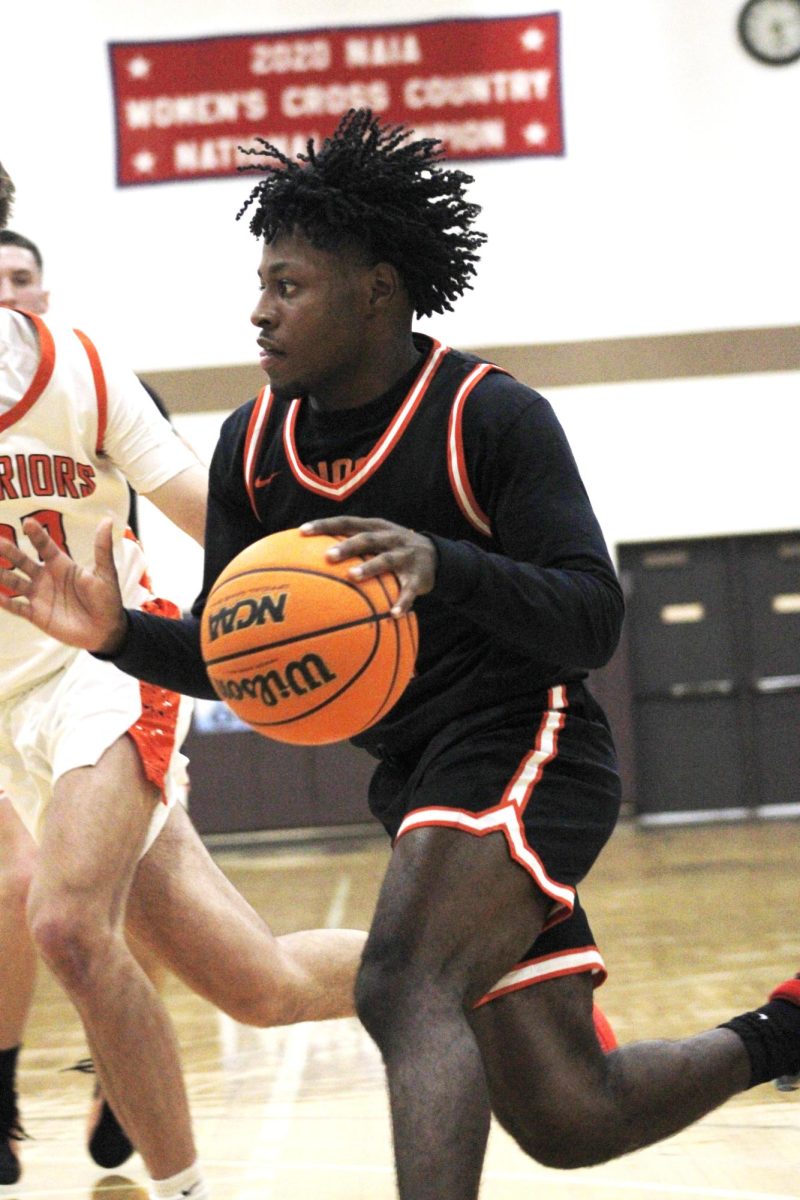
[496,774]
[21,271]
[22,287]
[91,762]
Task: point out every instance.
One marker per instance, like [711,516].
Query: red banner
[487,88]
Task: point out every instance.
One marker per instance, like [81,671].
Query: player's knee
[278,1006]
[68,941]
[554,1149]
[373,1002]
[563,1138]
[385,988]
[285,1000]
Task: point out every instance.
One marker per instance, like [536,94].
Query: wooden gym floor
[695,923]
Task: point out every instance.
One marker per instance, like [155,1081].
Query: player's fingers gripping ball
[297,649]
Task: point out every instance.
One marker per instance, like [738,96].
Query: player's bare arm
[183,500]
[410,556]
[81,606]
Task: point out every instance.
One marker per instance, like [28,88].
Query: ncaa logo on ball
[253,610]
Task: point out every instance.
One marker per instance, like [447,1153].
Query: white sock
[186,1185]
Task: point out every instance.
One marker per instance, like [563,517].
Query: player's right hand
[81,606]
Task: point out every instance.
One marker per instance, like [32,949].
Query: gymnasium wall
[673,209]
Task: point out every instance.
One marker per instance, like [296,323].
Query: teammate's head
[21,270]
[371,191]
[6,196]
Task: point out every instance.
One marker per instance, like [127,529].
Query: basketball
[298,650]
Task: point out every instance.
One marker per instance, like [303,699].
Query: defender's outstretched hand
[411,556]
[78,605]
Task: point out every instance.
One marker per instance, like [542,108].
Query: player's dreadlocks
[368,186]
[6,196]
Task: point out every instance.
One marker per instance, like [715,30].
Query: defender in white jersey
[69,444]
[22,287]
[100,755]
[71,435]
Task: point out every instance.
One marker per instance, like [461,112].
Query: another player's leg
[107,1142]
[185,908]
[17,976]
[94,830]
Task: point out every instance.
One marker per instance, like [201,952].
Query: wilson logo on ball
[299,677]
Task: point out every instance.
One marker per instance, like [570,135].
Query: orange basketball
[297,649]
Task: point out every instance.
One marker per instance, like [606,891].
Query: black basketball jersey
[525,597]
[400,457]
[464,453]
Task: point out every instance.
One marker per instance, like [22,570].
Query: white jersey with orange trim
[70,437]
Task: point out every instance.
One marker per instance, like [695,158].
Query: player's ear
[385,284]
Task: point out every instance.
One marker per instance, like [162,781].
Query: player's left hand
[80,606]
[410,556]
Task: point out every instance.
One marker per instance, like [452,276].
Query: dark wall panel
[242,783]
[714,635]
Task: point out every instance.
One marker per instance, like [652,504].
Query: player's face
[313,316]
[21,280]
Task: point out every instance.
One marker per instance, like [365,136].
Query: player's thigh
[494,826]
[454,906]
[147,958]
[96,825]
[184,907]
[84,741]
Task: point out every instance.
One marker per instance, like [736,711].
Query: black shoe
[106,1140]
[790,990]
[10,1132]
[109,1144]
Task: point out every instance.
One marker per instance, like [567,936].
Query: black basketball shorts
[546,778]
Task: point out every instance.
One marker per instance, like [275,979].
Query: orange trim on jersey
[42,375]
[456,459]
[144,579]
[381,449]
[253,439]
[99,387]
[549,966]
[506,817]
[154,732]
[545,749]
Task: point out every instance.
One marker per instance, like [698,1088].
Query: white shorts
[71,718]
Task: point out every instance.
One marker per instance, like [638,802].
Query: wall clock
[770,30]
